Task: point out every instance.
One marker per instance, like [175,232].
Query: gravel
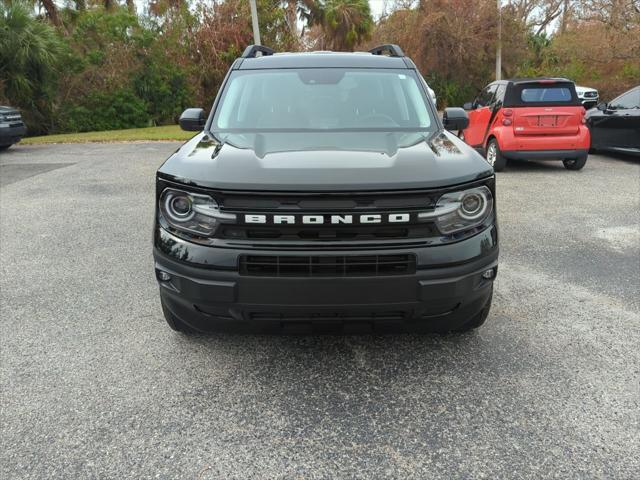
[95,385]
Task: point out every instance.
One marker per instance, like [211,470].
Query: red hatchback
[529,119]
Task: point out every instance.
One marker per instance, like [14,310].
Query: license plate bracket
[547,121]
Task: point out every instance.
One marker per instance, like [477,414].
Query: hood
[580,89]
[325,161]
[4,109]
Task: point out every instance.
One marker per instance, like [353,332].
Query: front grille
[327,265]
[347,203]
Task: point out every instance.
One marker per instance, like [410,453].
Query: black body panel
[616,129]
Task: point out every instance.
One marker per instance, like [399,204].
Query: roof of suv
[540,80]
[325,59]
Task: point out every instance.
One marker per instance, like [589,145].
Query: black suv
[12,127]
[324,194]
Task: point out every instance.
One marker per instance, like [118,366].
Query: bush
[451,93]
[164,88]
[104,111]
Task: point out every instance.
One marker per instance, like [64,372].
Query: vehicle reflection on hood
[442,145]
[265,143]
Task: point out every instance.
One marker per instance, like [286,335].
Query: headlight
[458,211]
[191,212]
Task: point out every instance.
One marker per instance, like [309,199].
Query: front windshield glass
[322,100]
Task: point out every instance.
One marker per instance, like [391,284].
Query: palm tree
[307,10]
[344,23]
[30,53]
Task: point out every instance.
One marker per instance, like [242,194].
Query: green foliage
[105,68]
[100,110]
[31,52]
[450,92]
[345,23]
[631,71]
[274,30]
[164,88]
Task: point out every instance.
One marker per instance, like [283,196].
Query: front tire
[575,163]
[494,156]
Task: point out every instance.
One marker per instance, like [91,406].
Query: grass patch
[167,132]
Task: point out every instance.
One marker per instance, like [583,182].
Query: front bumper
[447,290]
[590,101]
[11,135]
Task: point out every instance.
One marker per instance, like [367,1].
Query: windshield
[321,100]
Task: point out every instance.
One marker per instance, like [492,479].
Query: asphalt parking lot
[95,385]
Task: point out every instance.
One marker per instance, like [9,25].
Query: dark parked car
[323,193]
[12,128]
[615,125]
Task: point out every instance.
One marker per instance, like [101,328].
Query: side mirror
[602,106]
[192,120]
[455,119]
[468,106]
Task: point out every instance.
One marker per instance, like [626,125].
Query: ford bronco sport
[323,194]
[529,119]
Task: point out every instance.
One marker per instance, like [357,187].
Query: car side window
[499,98]
[486,96]
[627,101]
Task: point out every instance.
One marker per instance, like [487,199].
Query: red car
[529,119]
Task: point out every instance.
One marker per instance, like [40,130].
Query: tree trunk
[566,12]
[292,17]
[52,12]
[131,6]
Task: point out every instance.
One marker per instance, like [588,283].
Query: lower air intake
[327,265]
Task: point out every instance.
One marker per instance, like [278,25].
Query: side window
[626,101]
[486,96]
[499,98]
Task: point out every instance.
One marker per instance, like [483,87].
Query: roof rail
[394,50]
[252,50]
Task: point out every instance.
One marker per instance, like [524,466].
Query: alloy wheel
[491,154]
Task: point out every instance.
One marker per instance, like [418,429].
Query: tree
[343,23]
[307,10]
[30,54]
[537,15]
[52,12]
